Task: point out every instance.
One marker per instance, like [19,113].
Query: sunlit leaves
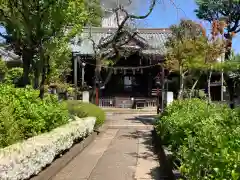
[3,67]
[220,10]
[60,60]
[203,138]
[38,25]
[95,13]
[189,47]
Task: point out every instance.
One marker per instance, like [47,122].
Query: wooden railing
[152,102]
[124,102]
[108,102]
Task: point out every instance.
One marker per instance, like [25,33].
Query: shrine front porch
[128,102]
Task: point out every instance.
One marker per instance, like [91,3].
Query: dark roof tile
[155,38]
[8,55]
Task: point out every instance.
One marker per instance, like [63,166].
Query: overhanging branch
[112,46]
[153,3]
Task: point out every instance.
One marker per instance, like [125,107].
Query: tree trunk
[36,80]
[229,81]
[93,94]
[27,57]
[231,90]
[209,86]
[96,79]
[36,75]
[108,77]
[193,87]
[44,72]
[41,94]
[180,94]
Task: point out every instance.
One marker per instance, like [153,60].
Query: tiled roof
[8,55]
[155,38]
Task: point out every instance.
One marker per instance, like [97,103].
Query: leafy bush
[13,75]
[23,114]
[204,138]
[195,94]
[3,68]
[82,109]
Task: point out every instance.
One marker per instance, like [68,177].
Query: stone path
[123,152]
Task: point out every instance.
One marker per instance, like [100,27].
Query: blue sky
[166,13]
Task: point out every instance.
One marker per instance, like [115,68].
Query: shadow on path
[157,173]
[144,119]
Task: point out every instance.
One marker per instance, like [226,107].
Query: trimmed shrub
[82,109]
[23,114]
[204,138]
[27,158]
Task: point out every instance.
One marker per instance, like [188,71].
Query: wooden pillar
[75,70]
[163,87]
[97,96]
[149,84]
[75,60]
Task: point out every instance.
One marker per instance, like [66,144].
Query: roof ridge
[143,30]
[5,52]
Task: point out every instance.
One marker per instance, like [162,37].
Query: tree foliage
[13,75]
[220,10]
[60,61]
[36,22]
[233,66]
[95,13]
[190,52]
[3,67]
[227,10]
[31,26]
[204,141]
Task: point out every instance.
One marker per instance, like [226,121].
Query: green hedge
[82,109]
[204,138]
[23,114]
[13,75]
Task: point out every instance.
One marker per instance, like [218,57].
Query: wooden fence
[126,102]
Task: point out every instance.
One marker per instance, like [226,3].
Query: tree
[60,61]
[31,26]
[60,52]
[111,47]
[233,66]
[185,50]
[227,10]
[191,53]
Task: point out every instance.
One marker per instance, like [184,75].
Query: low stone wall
[25,159]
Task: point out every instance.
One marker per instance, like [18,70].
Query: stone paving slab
[82,165]
[123,152]
[147,164]
[119,161]
[130,111]
[129,120]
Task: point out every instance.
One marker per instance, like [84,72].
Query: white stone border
[22,160]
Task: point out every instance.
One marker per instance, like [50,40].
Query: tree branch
[237,30]
[110,47]
[153,3]
[235,26]
[6,37]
